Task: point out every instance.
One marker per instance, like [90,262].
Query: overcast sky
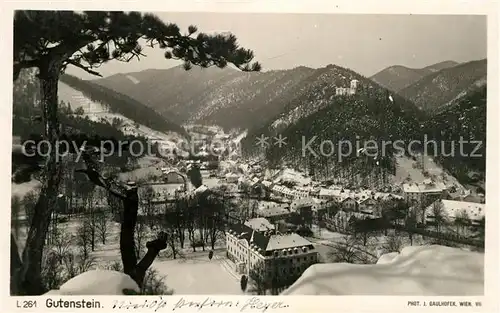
[363,43]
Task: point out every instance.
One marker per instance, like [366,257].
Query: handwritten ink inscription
[253,304]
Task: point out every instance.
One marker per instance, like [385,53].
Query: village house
[283,192]
[274,211]
[329,194]
[275,253]
[232,178]
[368,206]
[300,193]
[348,204]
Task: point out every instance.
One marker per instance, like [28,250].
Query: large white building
[249,245]
[417,191]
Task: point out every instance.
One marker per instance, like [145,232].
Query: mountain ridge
[439,88]
[397,77]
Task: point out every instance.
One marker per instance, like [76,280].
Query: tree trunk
[154,248]
[15,266]
[127,241]
[31,281]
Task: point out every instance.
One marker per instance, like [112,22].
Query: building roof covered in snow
[428,186]
[452,208]
[275,209]
[265,242]
[259,224]
[280,241]
[326,192]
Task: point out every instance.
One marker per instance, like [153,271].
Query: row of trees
[399,216]
[198,219]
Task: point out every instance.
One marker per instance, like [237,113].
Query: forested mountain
[463,119]
[442,87]
[122,104]
[398,77]
[319,95]
[226,97]
[368,115]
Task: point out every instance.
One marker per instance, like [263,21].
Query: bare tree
[190,220]
[216,219]
[93,217]
[83,237]
[411,224]
[62,243]
[76,264]
[439,215]
[179,220]
[348,251]
[461,221]
[102,225]
[172,239]
[201,223]
[147,196]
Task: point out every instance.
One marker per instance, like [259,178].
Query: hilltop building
[342,91]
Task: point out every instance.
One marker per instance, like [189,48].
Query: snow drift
[97,282]
[417,271]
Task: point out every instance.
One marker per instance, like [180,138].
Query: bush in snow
[154,284]
[114,266]
[51,271]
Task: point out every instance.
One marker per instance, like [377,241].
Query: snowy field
[197,275]
[417,271]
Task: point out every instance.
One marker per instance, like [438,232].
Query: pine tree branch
[85,68]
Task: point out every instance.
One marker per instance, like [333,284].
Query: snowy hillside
[97,112]
[418,270]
